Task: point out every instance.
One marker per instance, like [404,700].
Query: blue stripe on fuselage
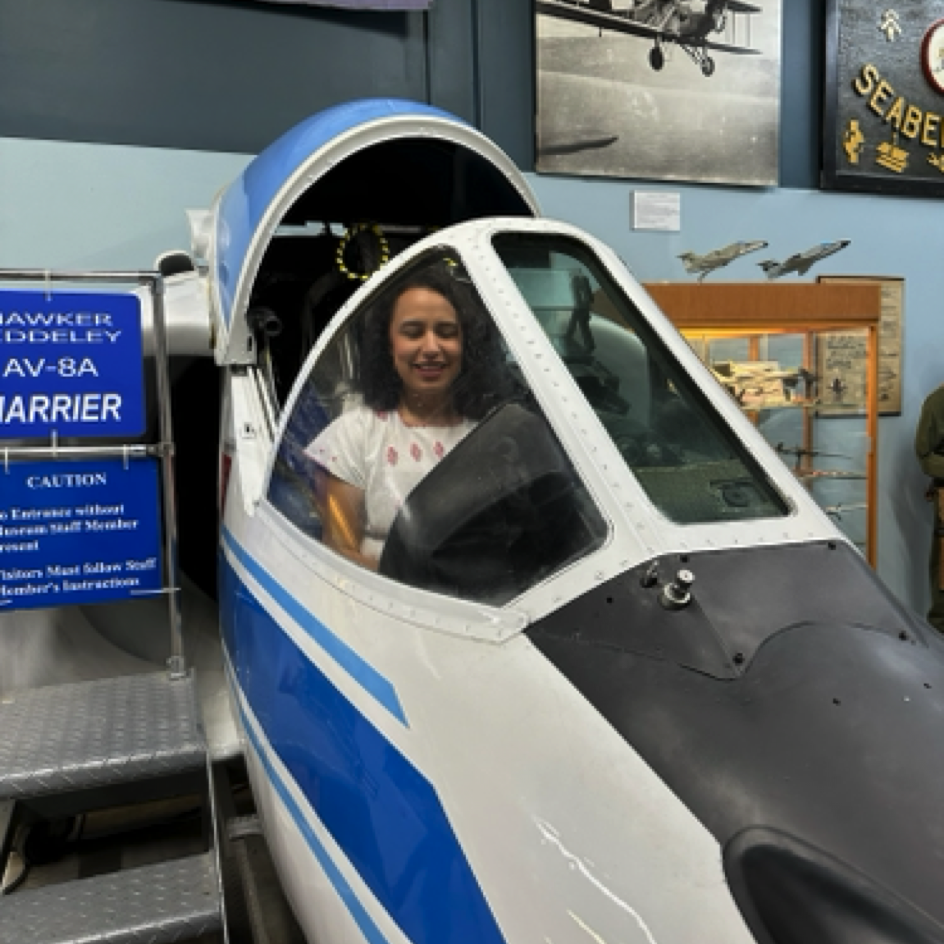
[383,814]
[353,904]
[364,674]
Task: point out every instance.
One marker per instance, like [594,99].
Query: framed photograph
[841,365]
[884,116]
[838,349]
[659,90]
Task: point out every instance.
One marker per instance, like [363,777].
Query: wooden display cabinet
[802,361]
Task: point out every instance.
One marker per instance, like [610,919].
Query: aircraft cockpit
[580,411]
[500,506]
[494,504]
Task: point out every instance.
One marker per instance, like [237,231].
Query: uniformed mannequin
[929,446]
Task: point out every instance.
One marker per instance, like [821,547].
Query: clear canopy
[417,447]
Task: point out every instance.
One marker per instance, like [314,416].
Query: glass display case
[801,360]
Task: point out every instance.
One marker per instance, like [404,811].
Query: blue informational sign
[75,532]
[70,363]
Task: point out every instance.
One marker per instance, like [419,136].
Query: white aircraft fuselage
[616,675]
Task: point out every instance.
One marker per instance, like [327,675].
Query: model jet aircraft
[703,264]
[802,262]
[614,674]
[686,23]
[837,511]
[800,452]
[828,474]
[760,381]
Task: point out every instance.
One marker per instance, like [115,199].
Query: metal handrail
[139,451]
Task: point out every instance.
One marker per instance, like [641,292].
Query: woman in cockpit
[429,371]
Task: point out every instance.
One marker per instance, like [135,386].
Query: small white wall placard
[657,210]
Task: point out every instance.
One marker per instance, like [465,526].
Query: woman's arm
[344,521]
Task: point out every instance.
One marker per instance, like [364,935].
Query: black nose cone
[792,893]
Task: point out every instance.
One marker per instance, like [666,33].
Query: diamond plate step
[94,734]
[174,901]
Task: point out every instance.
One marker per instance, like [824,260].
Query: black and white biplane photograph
[683,90]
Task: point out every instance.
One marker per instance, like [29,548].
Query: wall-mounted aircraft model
[704,264]
[686,23]
[530,635]
[802,262]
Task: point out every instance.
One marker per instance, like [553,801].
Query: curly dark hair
[482,383]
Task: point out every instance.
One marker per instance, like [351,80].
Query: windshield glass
[416,449]
[688,461]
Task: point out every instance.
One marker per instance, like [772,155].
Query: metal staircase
[67,749]
[72,749]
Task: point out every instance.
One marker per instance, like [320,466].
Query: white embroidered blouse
[379,453]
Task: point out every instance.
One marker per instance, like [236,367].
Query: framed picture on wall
[659,90]
[890,340]
[884,115]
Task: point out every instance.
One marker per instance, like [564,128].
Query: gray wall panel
[801,108]
[506,75]
[451,57]
[220,76]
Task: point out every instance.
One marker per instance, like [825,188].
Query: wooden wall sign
[884,115]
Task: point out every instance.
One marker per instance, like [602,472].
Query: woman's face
[425,341]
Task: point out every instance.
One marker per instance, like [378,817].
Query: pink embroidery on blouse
[416,452]
[381,415]
[438,449]
[392,455]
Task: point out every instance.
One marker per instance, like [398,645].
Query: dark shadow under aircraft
[687,23]
[552,145]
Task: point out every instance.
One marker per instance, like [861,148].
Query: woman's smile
[431,369]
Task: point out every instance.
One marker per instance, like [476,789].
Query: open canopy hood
[379,161]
